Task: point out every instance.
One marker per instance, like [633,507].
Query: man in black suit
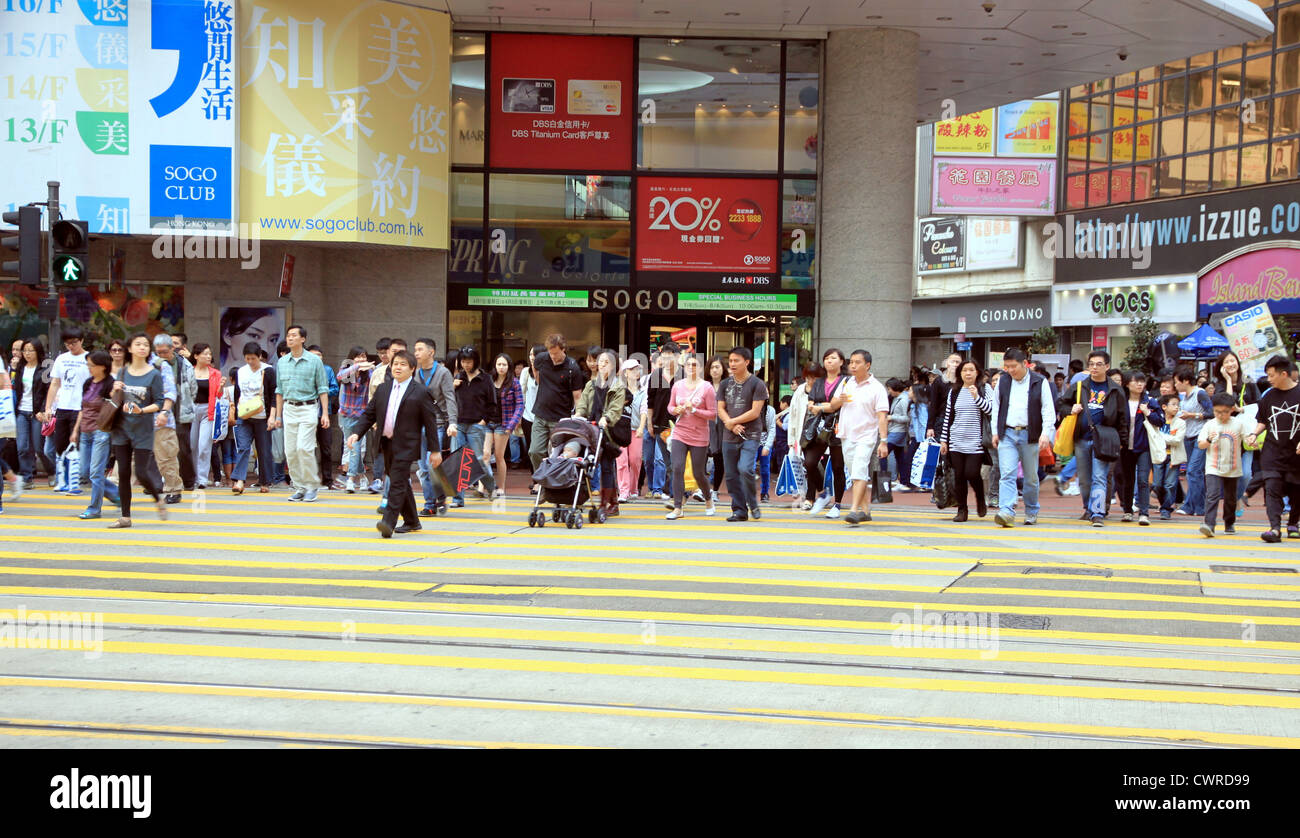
[400,409]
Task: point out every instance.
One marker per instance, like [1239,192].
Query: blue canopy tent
[1203,343]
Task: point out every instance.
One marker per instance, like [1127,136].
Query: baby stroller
[565,481]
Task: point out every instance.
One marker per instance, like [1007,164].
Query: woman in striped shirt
[966,416]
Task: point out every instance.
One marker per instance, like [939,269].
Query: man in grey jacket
[440,383]
[172,444]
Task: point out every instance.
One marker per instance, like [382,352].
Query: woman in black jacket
[31,384]
[476,402]
[823,390]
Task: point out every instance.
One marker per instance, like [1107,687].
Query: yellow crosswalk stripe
[636,640]
[762,715]
[502,609]
[658,671]
[706,596]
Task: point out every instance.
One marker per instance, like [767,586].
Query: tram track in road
[1138,737]
[663,654]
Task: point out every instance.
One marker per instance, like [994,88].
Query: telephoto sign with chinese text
[343,119]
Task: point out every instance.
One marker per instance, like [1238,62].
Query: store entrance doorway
[767,336]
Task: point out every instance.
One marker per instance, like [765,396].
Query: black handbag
[1105,443]
[880,488]
[944,492]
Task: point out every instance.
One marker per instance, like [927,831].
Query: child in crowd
[1220,439]
[1166,473]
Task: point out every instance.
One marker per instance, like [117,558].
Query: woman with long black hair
[823,390]
[141,386]
[509,411]
[1229,378]
[93,443]
[476,402]
[967,412]
[31,383]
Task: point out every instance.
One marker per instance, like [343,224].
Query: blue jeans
[1017,449]
[1069,469]
[1166,477]
[474,436]
[30,446]
[1247,471]
[431,498]
[355,468]
[248,432]
[654,455]
[1095,473]
[764,466]
[739,459]
[95,449]
[1194,504]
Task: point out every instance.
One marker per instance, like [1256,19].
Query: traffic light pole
[52,296]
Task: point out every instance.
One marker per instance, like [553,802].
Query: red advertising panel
[722,226]
[561,102]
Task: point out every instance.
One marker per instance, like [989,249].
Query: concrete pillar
[867,195]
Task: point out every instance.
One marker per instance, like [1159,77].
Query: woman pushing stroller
[605,402]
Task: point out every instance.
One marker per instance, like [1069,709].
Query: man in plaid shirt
[354,381]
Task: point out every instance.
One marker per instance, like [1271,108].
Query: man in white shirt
[1023,418]
[863,403]
[63,400]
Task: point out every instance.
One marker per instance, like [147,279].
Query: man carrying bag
[1102,411]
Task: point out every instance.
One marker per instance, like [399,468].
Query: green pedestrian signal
[69,251]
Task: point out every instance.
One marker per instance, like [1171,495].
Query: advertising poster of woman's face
[239,326]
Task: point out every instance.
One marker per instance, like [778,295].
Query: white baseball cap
[630,364]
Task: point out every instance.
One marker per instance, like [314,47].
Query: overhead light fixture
[1047,54]
[1078,34]
[661,11]
[541,8]
[674,41]
[943,18]
[1060,26]
[1017,63]
[958,81]
[1231,82]
[874,17]
[731,14]
[988,39]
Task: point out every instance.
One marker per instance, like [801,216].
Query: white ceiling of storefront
[978,58]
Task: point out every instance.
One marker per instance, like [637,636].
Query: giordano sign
[1112,303]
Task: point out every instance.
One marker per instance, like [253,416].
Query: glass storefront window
[1254,164]
[1286,115]
[1169,178]
[1171,136]
[465,259]
[715,104]
[1228,88]
[468,103]
[1286,70]
[1227,127]
[1196,173]
[802,97]
[798,234]
[1258,80]
[1198,132]
[1173,98]
[1200,89]
[559,229]
[1224,168]
[1283,159]
[1288,26]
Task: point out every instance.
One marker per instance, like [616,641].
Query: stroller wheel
[591,515]
[568,523]
[541,519]
[577,522]
[532,519]
[600,516]
[556,516]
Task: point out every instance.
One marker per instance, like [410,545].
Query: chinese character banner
[344,121]
[129,104]
[994,186]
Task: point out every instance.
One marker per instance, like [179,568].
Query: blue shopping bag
[785,482]
[924,463]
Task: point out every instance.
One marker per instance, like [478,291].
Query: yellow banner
[343,121]
[969,134]
[1028,128]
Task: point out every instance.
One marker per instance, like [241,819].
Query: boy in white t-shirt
[1220,438]
[863,425]
[63,399]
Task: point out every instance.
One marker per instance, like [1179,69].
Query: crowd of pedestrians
[157,411]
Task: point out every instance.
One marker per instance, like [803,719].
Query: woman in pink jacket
[695,404]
